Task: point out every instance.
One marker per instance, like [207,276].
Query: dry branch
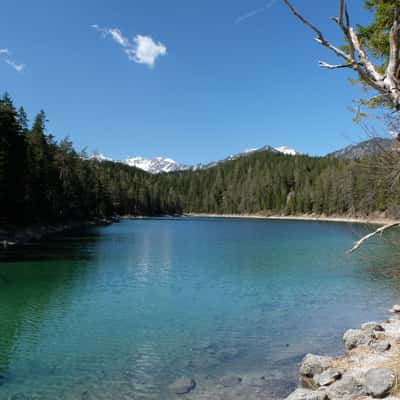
[382,229]
[387,83]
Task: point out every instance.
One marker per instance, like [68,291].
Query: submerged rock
[257,381]
[379,381]
[182,385]
[356,337]
[230,381]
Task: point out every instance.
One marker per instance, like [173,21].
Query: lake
[120,312]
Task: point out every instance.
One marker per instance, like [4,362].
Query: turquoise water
[119,312]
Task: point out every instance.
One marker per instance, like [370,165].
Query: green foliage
[375,36]
[42,181]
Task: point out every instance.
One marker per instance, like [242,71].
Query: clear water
[119,312]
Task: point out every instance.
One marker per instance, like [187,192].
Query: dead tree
[386,83]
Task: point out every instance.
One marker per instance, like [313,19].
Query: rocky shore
[14,236]
[369,369]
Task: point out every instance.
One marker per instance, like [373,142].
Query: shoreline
[304,217]
[368,369]
[20,236]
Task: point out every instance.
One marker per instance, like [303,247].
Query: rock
[348,385]
[379,381]
[230,381]
[182,385]
[381,346]
[311,366]
[356,337]
[372,326]
[327,377]
[395,309]
[307,394]
[86,395]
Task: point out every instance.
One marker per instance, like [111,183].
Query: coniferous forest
[45,181]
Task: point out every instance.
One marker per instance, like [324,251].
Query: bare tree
[386,83]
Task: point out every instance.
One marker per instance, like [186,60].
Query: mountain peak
[159,165]
[286,150]
[155,165]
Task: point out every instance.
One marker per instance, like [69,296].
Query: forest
[45,181]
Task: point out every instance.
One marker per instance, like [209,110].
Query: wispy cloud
[142,49]
[5,56]
[12,63]
[255,12]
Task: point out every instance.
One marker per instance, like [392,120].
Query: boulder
[314,365]
[379,382]
[347,386]
[395,309]
[327,377]
[380,346]
[372,326]
[182,385]
[307,394]
[356,337]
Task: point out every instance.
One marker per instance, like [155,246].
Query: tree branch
[382,229]
[357,58]
[394,46]
[323,64]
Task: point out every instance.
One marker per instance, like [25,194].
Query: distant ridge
[363,149]
[159,165]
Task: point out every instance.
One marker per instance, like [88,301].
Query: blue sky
[227,75]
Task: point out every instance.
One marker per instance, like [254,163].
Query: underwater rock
[182,385]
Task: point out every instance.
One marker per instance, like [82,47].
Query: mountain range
[162,164]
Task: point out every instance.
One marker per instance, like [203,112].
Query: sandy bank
[305,217]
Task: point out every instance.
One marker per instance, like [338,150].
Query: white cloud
[147,50]
[5,56]
[142,49]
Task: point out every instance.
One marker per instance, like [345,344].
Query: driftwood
[386,83]
[380,230]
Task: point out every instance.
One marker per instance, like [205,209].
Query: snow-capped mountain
[155,165]
[100,157]
[287,150]
[158,165]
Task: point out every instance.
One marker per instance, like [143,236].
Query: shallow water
[119,312]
